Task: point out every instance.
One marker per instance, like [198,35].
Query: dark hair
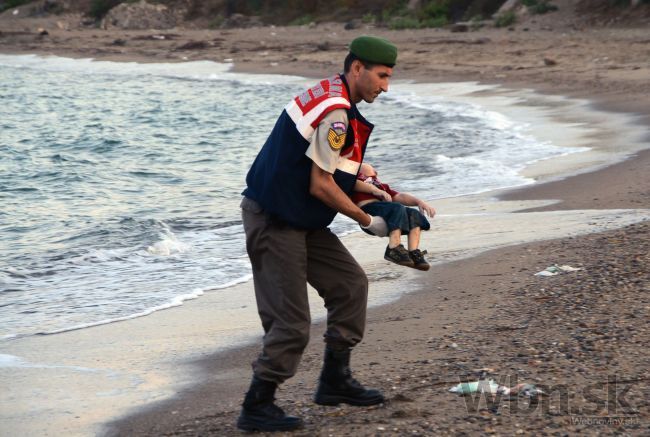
[351,57]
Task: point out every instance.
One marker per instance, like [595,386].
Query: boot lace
[351,381]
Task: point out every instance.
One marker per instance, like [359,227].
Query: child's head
[367,170]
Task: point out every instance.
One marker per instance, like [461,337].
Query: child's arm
[410,200]
[364,187]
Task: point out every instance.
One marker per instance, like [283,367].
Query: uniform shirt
[320,126]
[328,140]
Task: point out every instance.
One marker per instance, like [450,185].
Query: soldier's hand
[377,226]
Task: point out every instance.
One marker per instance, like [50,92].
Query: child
[379,199]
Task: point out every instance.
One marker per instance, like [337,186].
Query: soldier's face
[373,82]
[369,82]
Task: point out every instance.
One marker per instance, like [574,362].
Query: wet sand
[486,315]
[487,312]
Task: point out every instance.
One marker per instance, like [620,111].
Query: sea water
[120,182]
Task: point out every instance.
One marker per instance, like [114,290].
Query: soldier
[302,177]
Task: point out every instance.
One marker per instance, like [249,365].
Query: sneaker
[398,255]
[419,262]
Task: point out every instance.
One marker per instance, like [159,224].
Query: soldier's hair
[351,57]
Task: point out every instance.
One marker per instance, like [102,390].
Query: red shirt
[360,197]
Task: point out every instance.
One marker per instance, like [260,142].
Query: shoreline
[539,109]
[503,101]
[200,408]
[412,376]
[199,403]
[212,405]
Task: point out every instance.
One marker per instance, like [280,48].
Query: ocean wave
[18,189]
[188,71]
[136,182]
[169,245]
[458,112]
[174,302]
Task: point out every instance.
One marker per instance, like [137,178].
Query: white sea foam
[461,109]
[174,302]
[169,245]
[8,361]
[95,256]
[471,169]
[232,283]
[199,70]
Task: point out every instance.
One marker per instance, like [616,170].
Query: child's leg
[395,238]
[414,238]
[419,262]
[395,252]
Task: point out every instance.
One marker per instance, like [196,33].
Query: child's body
[379,199]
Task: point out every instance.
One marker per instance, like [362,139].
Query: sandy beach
[480,311]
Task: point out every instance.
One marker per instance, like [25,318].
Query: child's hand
[426,209]
[383,195]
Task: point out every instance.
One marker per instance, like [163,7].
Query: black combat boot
[337,385]
[259,413]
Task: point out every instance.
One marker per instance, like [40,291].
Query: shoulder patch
[336,135]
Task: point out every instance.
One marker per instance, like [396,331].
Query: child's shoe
[419,262]
[398,255]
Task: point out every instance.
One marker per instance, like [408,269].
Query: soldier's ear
[356,67]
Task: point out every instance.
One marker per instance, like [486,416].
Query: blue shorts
[397,216]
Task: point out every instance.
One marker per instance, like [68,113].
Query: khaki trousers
[284,260]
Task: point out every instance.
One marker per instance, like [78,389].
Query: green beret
[374,50]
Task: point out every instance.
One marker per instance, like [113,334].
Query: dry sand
[488,312]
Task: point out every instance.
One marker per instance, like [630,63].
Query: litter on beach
[528,390]
[482,386]
[489,386]
[556,270]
